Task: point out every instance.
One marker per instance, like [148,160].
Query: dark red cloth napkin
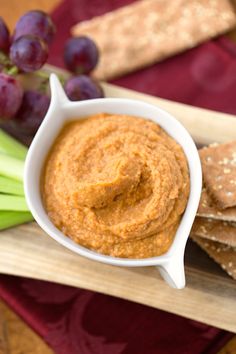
[204,76]
[75,321]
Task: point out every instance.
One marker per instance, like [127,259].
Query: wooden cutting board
[210,295]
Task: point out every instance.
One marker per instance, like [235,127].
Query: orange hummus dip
[116,184]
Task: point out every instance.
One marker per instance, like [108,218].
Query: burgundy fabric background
[204,76]
[75,321]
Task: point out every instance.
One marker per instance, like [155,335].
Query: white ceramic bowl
[170,264]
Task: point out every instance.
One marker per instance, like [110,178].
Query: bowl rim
[176,249]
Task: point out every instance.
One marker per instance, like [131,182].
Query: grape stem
[8,67]
[45,75]
[13,71]
[4,59]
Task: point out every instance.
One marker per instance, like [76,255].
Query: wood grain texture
[230,347]
[22,340]
[19,338]
[210,296]
[204,125]
[11,10]
[232,35]
[11,16]
[3,334]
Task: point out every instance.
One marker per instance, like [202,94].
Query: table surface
[21,338]
[30,342]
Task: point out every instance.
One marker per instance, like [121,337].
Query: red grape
[81,55]
[36,23]
[29,53]
[32,112]
[4,36]
[83,88]
[11,94]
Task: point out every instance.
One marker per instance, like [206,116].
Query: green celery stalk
[12,147]
[13,218]
[13,207]
[13,202]
[11,167]
[11,186]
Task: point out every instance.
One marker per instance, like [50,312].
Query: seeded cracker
[222,254]
[144,32]
[215,230]
[219,173]
[208,209]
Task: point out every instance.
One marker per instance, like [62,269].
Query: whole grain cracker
[224,255]
[219,173]
[208,209]
[147,31]
[215,230]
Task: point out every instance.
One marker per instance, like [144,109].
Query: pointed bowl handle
[173,272]
[58,95]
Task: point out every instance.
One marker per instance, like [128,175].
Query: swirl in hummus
[116,184]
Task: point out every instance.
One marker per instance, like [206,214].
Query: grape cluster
[26,51]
